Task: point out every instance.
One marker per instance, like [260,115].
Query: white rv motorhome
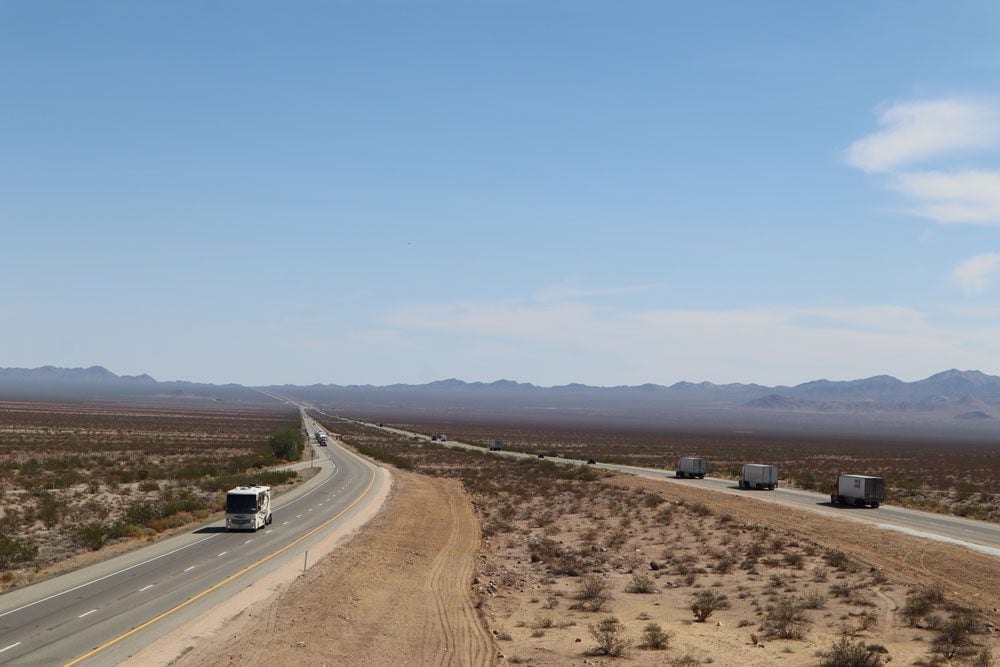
[248,507]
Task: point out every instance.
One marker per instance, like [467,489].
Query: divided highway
[103,613]
[977,535]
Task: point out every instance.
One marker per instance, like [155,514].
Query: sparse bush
[785,619]
[955,635]
[641,583]
[610,637]
[846,653]
[13,552]
[91,536]
[919,603]
[813,600]
[706,602]
[655,638]
[593,594]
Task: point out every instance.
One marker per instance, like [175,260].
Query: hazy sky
[602,192]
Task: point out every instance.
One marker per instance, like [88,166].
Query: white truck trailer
[858,490]
[495,445]
[758,476]
[692,466]
[321,439]
[248,507]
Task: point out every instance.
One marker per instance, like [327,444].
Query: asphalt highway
[104,613]
[977,535]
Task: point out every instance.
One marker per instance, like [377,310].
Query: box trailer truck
[758,476]
[248,507]
[495,445]
[692,466]
[858,490]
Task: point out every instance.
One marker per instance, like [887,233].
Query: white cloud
[954,197]
[975,273]
[915,131]
[542,342]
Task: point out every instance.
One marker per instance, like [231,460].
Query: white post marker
[305,561]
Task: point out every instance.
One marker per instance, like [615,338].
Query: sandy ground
[967,576]
[226,618]
[399,593]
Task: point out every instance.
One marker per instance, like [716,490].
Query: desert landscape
[77,478]
[577,566]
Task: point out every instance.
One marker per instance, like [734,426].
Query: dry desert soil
[488,574]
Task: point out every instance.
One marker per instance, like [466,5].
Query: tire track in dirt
[461,639]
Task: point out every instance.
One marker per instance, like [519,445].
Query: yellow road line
[224,581]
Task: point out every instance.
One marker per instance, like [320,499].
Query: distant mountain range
[945,390]
[99,383]
[970,397]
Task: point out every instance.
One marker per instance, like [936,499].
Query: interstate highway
[118,606]
[976,535]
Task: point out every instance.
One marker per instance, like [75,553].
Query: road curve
[976,535]
[101,614]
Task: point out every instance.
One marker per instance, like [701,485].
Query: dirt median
[399,593]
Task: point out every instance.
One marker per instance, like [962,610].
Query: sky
[603,192]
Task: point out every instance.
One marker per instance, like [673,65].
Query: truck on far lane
[860,490]
[758,476]
[692,466]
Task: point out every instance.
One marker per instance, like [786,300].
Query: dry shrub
[655,638]
[846,653]
[706,602]
[785,619]
[610,637]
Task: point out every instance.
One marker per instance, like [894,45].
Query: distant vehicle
[591,461]
[858,490]
[443,438]
[435,437]
[541,456]
[321,438]
[381,425]
[248,507]
[495,445]
[758,476]
[692,466]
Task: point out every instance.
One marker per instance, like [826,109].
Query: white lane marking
[982,548]
[7,648]
[221,555]
[248,542]
[189,568]
[309,510]
[94,581]
[298,516]
[146,588]
[267,532]
[284,523]
[86,613]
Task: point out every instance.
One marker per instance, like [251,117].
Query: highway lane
[63,619]
[976,535]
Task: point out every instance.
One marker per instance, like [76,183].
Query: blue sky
[599,192]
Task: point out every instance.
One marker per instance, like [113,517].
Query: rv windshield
[241,503]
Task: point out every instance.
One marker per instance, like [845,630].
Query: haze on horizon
[380,192]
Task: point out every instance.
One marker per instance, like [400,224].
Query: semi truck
[248,507]
[321,438]
[495,445]
[692,466]
[858,490]
[758,476]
